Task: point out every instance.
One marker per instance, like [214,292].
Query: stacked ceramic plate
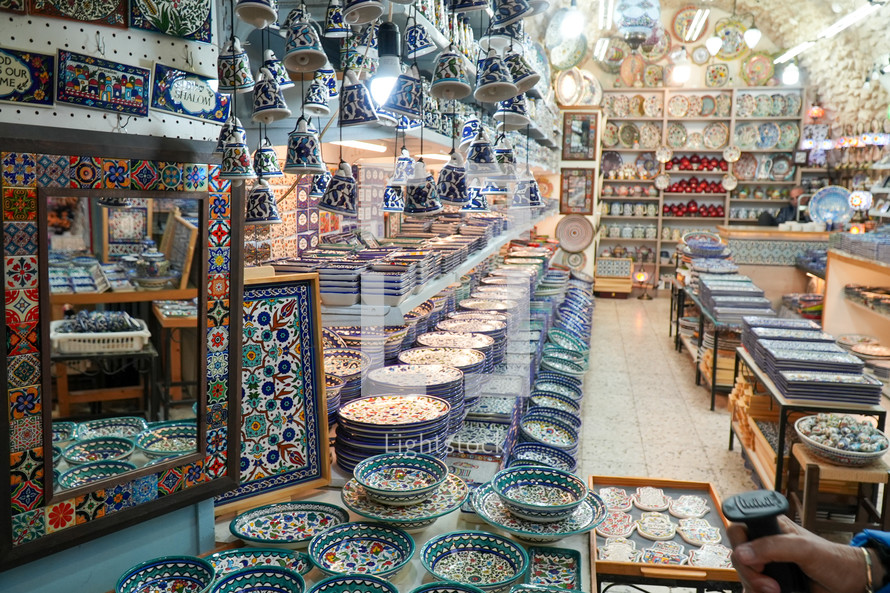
[492,328]
[420,316]
[507,307]
[349,365]
[449,339]
[339,282]
[470,362]
[374,340]
[388,284]
[435,380]
[402,423]
[333,387]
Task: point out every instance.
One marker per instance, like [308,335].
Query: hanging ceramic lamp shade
[233,69]
[493,81]
[476,203]
[340,197]
[507,12]
[500,39]
[534,191]
[469,131]
[421,197]
[366,42]
[418,42]
[362,12]
[537,7]
[523,76]
[327,77]
[268,100]
[506,161]
[404,169]
[636,19]
[511,114]
[406,97]
[227,128]
[320,184]
[265,161]
[461,6]
[452,182]
[261,205]
[393,199]
[480,157]
[334,25]
[257,13]
[236,163]
[356,104]
[303,150]
[387,118]
[315,103]
[302,49]
[274,65]
[450,80]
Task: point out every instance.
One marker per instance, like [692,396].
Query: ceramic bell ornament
[480,157]
[460,6]
[493,82]
[261,205]
[257,13]
[356,105]
[511,114]
[452,183]
[340,197]
[507,12]
[387,118]
[421,197]
[406,97]
[227,128]
[506,160]
[393,199]
[236,164]
[477,201]
[469,131]
[334,25]
[303,150]
[302,50]
[296,14]
[404,169]
[265,161]
[522,74]
[418,42]
[268,100]
[274,65]
[500,39]
[326,76]
[450,80]
[233,69]
[366,42]
[320,184]
[362,12]
[315,103]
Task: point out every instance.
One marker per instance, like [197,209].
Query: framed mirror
[81,257]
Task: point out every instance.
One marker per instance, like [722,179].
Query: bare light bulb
[791,74]
[752,36]
[573,23]
[681,73]
[714,45]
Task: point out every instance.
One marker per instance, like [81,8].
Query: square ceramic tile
[117,173]
[194,474]
[218,260]
[19,203]
[26,466]
[220,206]
[20,272]
[217,441]
[23,370]
[119,497]
[19,238]
[215,466]
[218,286]
[145,489]
[144,175]
[219,234]
[217,365]
[89,506]
[217,415]
[19,169]
[170,481]
[26,496]
[27,527]
[22,338]
[217,391]
[24,401]
[86,172]
[171,176]
[60,516]
[25,433]
[52,170]
[214,183]
[195,177]
[218,339]
[218,313]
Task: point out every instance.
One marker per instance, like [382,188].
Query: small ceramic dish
[485,560]
[444,587]
[286,524]
[167,573]
[93,472]
[616,499]
[57,454]
[363,548]
[268,579]
[170,439]
[98,449]
[353,584]
[237,559]
[540,454]
[618,549]
[656,526]
[63,431]
[572,419]
[122,426]
[401,479]
[539,494]
[554,567]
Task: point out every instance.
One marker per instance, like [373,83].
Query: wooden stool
[805,501]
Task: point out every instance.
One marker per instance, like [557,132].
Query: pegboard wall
[134,47]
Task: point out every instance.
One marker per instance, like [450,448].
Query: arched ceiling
[835,68]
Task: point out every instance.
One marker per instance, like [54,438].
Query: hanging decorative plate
[790,135]
[188,19]
[716,75]
[778,105]
[792,105]
[745,168]
[700,55]
[678,106]
[659,43]
[769,133]
[616,52]
[763,106]
[732,33]
[729,182]
[745,105]
[831,205]
[110,13]
[652,106]
[764,166]
[683,21]
[610,135]
[708,106]
[653,76]
[569,53]
[783,168]
[650,135]
[724,105]
[612,161]
[662,182]
[628,135]
[716,135]
[636,105]
[621,106]
[663,154]
[731,153]
[676,135]
[591,89]
[695,140]
[695,104]
[576,261]
[745,136]
[632,69]
[616,524]
[757,69]
[647,166]
[574,233]
[616,499]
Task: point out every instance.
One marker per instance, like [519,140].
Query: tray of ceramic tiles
[684,540]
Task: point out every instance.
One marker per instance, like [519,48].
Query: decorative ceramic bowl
[578,358]
[93,472]
[63,431]
[443,587]
[487,561]
[401,479]
[268,579]
[566,340]
[168,573]
[837,455]
[229,561]
[548,430]
[539,494]
[555,401]
[333,385]
[540,454]
[564,367]
[98,449]
[361,548]
[286,524]
[570,418]
[170,439]
[57,454]
[122,426]
[354,584]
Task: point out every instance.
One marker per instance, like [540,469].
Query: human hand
[830,567]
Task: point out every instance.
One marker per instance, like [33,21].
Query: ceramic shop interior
[437,295]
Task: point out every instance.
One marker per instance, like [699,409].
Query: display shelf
[606,180]
[628,240]
[756,200]
[623,217]
[699,150]
[765,182]
[691,346]
[714,219]
[132,296]
[623,149]
[635,118]
[629,198]
[768,150]
[768,118]
[692,195]
[699,119]
[765,474]
[673,172]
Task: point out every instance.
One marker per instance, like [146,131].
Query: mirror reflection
[126,276]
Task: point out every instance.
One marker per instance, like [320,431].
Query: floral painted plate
[695,105]
[724,105]
[678,106]
[682,22]
[647,166]
[716,75]
[699,532]
[650,135]
[616,499]
[657,46]
[716,135]
[689,506]
[231,560]
[676,135]
[450,495]
[757,69]
[416,375]
[653,76]
[783,168]
[708,106]
[745,168]
[647,498]
[610,135]
[628,135]
[652,106]
[695,141]
[172,439]
[632,69]
[732,33]
[745,105]
[790,135]
[361,548]
[769,135]
[778,105]
[831,205]
[455,357]
[746,136]
[569,53]
[286,524]
[662,181]
[763,105]
[792,105]
[636,105]
[656,526]
[538,453]
[394,410]
[616,524]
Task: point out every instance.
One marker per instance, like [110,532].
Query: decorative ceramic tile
[60,516]
[217,391]
[193,474]
[119,497]
[145,489]
[218,313]
[218,286]
[220,206]
[128,225]
[22,338]
[19,238]
[26,433]
[20,272]
[218,260]
[86,172]
[112,13]
[90,506]
[27,527]
[772,253]
[170,481]
[219,233]
[26,496]
[23,370]
[217,415]
[144,175]
[16,6]
[188,20]
[19,169]
[217,365]
[22,306]
[214,183]
[217,441]
[195,177]
[24,401]
[120,88]
[52,170]
[280,435]
[117,173]
[215,466]
[171,176]
[19,203]
[218,339]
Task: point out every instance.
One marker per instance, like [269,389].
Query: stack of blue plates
[436,380]
[391,423]
[508,307]
[420,313]
[453,339]
[470,362]
[349,365]
[488,325]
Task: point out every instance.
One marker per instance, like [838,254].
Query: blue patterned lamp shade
[392,199]
[261,205]
[477,201]
[452,184]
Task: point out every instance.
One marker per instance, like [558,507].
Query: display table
[171,356]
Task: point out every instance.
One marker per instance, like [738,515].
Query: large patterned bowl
[443,587]
[361,548]
[353,584]
[267,579]
[98,449]
[484,560]
[170,439]
[240,558]
[93,472]
[122,426]
[539,428]
[63,431]
[539,494]
[168,573]
[401,479]
[540,454]
[286,524]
